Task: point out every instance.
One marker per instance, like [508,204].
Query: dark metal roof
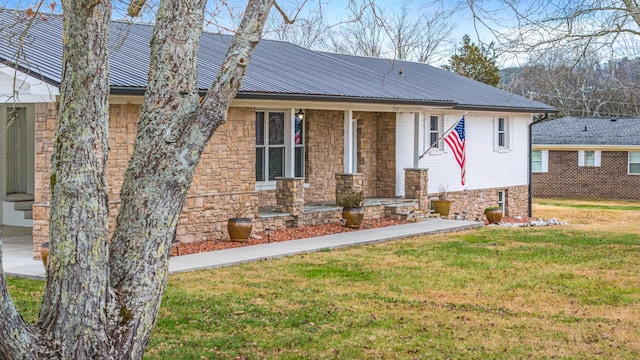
[277,70]
[587,131]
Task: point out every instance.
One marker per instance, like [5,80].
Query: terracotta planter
[353,216]
[442,207]
[44,253]
[494,216]
[239,229]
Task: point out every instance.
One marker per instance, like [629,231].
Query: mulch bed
[302,232]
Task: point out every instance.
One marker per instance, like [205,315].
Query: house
[305,127]
[586,158]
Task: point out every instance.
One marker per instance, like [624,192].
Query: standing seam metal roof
[277,69]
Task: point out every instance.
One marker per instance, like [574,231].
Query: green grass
[493,293]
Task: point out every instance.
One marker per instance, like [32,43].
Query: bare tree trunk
[172,133]
[101,300]
[74,307]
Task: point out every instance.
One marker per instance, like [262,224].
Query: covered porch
[291,209]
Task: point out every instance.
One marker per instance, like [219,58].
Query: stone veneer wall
[324,158]
[386,149]
[470,204]
[224,182]
[566,179]
[376,152]
[416,185]
[45,130]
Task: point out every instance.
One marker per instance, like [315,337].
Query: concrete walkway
[18,261]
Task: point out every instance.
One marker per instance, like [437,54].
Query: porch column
[350,142]
[290,195]
[416,186]
[346,183]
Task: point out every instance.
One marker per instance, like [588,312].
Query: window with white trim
[274,140]
[589,158]
[634,162]
[539,161]
[502,136]
[502,133]
[433,137]
[502,200]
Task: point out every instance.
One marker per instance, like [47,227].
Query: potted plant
[493,214]
[442,205]
[352,210]
[239,226]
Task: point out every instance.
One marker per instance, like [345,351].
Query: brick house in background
[305,127]
[586,158]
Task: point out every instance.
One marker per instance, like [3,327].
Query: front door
[20,162]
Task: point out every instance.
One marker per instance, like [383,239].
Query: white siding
[404,148]
[29,89]
[486,167]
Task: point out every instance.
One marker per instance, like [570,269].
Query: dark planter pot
[442,207]
[494,216]
[239,229]
[353,216]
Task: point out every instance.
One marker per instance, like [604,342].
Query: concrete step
[22,205]
[13,217]
[18,197]
[414,215]
[401,210]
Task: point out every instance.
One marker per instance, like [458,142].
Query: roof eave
[342,99]
[519,109]
[120,90]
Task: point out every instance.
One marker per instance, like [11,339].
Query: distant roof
[277,70]
[587,131]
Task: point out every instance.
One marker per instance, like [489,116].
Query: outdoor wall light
[300,115]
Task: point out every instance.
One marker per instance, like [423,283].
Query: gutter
[530,173]
[123,90]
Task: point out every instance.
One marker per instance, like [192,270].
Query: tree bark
[173,130]
[102,298]
[18,338]
[75,305]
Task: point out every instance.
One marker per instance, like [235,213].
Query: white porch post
[416,140]
[350,151]
[289,141]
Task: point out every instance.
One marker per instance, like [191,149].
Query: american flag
[456,141]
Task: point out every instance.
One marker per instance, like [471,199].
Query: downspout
[545,117]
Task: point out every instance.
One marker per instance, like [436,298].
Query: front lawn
[494,293]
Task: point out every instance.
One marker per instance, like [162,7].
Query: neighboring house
[586,158]
[305,127]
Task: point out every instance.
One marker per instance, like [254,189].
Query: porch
[325,213]
[291,209]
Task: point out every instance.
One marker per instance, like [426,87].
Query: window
[634,162]
[502,200]
[589,158]
[435,133]
[501,134]
[540,161]
[274,140]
